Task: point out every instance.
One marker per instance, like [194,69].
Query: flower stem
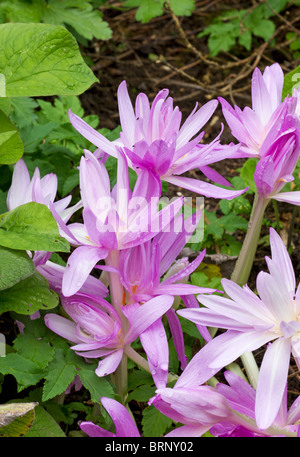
[116,294]
[121,379]
[245,260]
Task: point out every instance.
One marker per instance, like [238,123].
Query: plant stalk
[245,260]
[120,376]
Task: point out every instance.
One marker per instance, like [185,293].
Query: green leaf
[14,267]
[181,8]
[142,393]
[35,349]
[154,423]
[31,227]
[58,375]
[26,372]
[264,29]
[232,222]
[28,296]
[245,39]
[247,173]
[80,15]
[41,60]
[98,387]
[44,426]
[11,146]
[146,9]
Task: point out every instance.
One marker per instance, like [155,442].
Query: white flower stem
[120,376]
[245,260]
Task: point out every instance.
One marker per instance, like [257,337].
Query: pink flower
[124,424]
[97,329]
[153,139]
[251,322]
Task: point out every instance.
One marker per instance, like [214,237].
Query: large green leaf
[14,266]
[59,374]
[28,296]
[11,146]
[41,60]
[31,227]
[26,372]
[44,425]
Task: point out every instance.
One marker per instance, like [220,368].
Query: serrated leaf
[142,393]
[26,372]
[232,222]
[41,60]
[80,15]
[35,349]
[14,267]
[98,387]
[146,9]
[11,146]
[44,425]
[181,8]
[28,296]
[58,375]
[31,227]
[154,423]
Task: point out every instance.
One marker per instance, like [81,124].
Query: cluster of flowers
[135,246]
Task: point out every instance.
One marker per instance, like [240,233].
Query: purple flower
[40,190]
[252,126]
[270,132]
[148,270]
[197,407]
[279,156]
[241,398]
[152,138]
[112,220]
[252,322]
[54,274]
[98,331]
[124,424]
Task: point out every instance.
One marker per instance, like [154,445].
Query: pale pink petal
[155,344]
[188,431]
[288,197]
[280,265]
[271,382]
[203,188]
[126,113]
[80,264]
[109,364]
[147,314]
[18,191]
[94,430]
[125,426]
[92,135]
[62,326]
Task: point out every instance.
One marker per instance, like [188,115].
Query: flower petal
[109,364]
[80,263]
[271,382]
[125,426]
